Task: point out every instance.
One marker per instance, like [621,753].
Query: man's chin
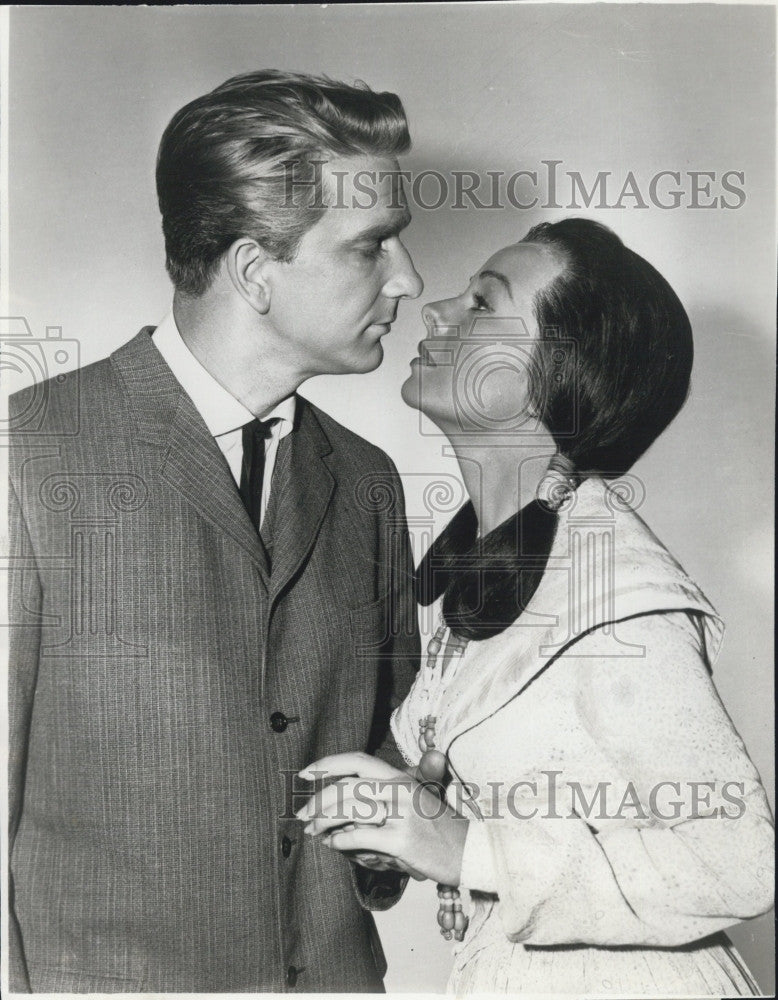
[369,361]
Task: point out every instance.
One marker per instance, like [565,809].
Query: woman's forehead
[525,264]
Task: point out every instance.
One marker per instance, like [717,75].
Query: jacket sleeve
[672,842]
[400,657]
[401,648]
[24,615]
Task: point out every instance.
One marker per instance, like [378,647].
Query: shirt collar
[221,411]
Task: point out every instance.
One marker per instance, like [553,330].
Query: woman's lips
[424,356]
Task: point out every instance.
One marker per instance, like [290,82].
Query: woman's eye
[480,304]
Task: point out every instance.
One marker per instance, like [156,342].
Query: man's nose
[405,281]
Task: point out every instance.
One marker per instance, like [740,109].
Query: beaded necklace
[433,767]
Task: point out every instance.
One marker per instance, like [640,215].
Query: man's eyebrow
[383,230]
[498,277]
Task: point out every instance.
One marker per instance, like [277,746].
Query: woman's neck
[500,478]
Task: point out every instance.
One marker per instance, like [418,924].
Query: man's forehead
[366,198]
[354,225]
[351,173]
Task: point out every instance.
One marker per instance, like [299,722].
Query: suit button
[286,847]
[291,977]
[278,722]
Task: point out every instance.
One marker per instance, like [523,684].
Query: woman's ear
[246,265]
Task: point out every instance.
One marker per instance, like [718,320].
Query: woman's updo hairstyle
[624,380]
[628,374]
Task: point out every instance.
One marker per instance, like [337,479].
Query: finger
[331,799]
[367,860]
[328,799]
[373,859]
[377,866]
[383,863]
[351,795]
[343,764]
[357,812]
[323,801]
[368,838]
[361,841]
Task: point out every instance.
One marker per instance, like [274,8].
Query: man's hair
[235,161]
[628,372]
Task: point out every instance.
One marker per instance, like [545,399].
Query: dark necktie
[252,469]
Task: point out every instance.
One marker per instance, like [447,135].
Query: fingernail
[308,829]
[305,775]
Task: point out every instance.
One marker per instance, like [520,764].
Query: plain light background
[486,87]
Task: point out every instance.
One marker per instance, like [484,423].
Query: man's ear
[246,265]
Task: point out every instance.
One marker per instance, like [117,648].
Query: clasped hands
[384,818]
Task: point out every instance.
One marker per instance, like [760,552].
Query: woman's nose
[431,317]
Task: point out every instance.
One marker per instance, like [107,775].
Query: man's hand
[385,817]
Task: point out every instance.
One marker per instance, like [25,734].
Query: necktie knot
[258,429]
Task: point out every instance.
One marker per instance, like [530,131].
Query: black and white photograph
[388,443]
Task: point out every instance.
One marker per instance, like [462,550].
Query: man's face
[332,304]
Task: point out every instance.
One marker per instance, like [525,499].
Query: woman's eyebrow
[498,277]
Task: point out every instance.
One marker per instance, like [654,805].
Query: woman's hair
[627,346]
[246,160]
[612,368]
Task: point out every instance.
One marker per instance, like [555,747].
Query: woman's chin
[410,391]
[413,395]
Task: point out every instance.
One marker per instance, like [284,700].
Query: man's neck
[230,351]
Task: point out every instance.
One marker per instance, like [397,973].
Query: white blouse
[616,819]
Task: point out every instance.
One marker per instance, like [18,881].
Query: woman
[599,805]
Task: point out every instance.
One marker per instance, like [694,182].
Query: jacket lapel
[302,496]
[195,466]
[191,461]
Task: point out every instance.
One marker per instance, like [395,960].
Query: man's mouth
[382,326]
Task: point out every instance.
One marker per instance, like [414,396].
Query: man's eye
[373,250]
[480,304]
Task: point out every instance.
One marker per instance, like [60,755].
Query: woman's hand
[377,810]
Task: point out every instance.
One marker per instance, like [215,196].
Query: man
[211,581]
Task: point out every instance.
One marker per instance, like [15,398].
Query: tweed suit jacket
[164,687]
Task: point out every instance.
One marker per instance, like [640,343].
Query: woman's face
[473,370]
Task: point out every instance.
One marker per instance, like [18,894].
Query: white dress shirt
[224,415]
